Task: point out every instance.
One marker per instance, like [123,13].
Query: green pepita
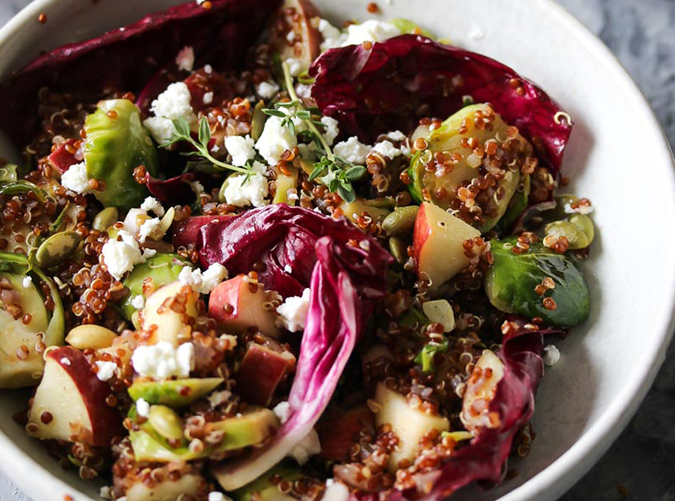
[57,248]
[578,230]
[258,121]
[166,422]
[440,311]
[399,249]
[401,221]
[105,219]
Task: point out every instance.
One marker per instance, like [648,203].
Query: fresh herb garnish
[428,353]
[182,133]
[337,173]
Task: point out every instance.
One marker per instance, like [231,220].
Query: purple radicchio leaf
[125,59]
[391,85]
[345,271]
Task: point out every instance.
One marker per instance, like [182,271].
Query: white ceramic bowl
[618,157]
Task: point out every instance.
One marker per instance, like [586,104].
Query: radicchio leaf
[176,190]
[371,89]
[345,271]
[125,59]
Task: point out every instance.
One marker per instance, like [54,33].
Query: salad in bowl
[254,255]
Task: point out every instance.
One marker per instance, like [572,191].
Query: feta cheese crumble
[106,370]
[162,360]
[120,256]
[387,149]
[332,37]
[243,190]
[335,491]
[551,355]
[396,135]
[173,103]
[26,282]
[151,204]
[218,496]
[151,228]
[138,302]
[294,66]
[241,149]
[353,150]
[275,140]
[307,447]
[283,411]
[370,31]
[185,60]
[267,90]
[208,98]
[293,312]
[105,492]
[332,130]
[203,282]
[142,408]
[76,179]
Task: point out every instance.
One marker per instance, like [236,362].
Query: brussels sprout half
[511,282]
[473,141]
[116,143]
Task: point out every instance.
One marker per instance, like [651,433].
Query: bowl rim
[568,468]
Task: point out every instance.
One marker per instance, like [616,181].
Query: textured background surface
[641,464]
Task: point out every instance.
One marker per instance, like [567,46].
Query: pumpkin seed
[399,249]
[575,233]
[166,422]
[57,248]
[401,221]
[258,121]
[105,219]
[440,311]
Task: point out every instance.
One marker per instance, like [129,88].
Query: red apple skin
[235,307]
[186,231]
[421,232]
[106,421]
[336,436]
[61,159]
[260,373]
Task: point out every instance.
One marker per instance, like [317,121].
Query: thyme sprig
[336,172]
[201,146]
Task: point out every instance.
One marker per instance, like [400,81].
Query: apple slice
[481,388]
[64,156]
[409,424]
[186,231]
[70,402]
[239,304]
[260,372]
[162,320]
[438,243]
[337,435]
[295,33]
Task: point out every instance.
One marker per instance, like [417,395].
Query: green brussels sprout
[516,206]
[578,230]
[514,283]
[116,143]
[173,393]
[474,128]
[406,26]
[161,268]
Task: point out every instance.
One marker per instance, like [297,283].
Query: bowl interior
[617,157]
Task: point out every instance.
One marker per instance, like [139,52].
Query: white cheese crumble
[352,150]
[151,204]
[185,60]
[218,397]
[303,91]
[173,103]
[106,370]
[308,446]
[138,302]
[218,496]
[241,149]
[105,492]
[332,37]
[203,282]
[267,90]
[387,149]
[332,130]
[283,411]
[370,31]
[335,491]
[275,140]
[26,282]
[162,360]
[76,179]
[288,268]
[207,98]
[396,135]
[551,355]
[161,129]
[581,209]
[243,190]
[293,312]
[142,408]
[120,256]
[151,228]
[294,66]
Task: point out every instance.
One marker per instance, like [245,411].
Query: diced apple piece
[295,33]
[188,485]
[286,182]
[409,424]
[260,372]
[264,489]
[481,388]
[186,231]
[337,435]
[64,156]
[70,402]
[237,305]
[438,243]
[173,393]
[159,317]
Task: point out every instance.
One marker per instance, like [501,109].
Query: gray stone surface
[642,35]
